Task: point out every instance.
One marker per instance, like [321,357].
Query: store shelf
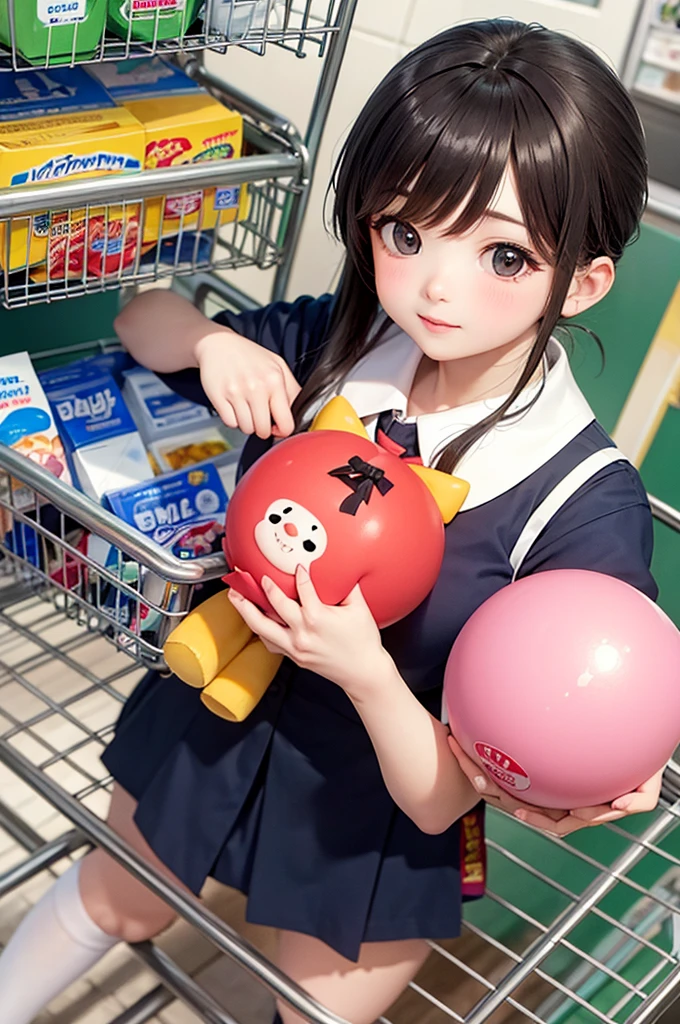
[303,26]
[666,96]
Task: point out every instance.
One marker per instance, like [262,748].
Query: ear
[448,491]
[588,286]
[338,414]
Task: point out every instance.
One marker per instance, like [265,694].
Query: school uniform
[290,806]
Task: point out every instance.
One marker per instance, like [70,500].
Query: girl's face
[481,292]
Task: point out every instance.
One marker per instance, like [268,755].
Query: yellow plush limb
[448,491]
[240,686]
[338,414]
[206,640]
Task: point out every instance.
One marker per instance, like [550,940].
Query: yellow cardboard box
[188,129]
[59,148]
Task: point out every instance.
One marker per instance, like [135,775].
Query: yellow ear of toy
[338,414]
[448,491]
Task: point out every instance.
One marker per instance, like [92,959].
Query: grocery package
[63,147]
[213,442]
[142,78]
[237,19]
[104,449]
[152,20]
[53,31]
[53,91]
[116,362]
[157,411]
[26,422]
[183,511]
[182,129]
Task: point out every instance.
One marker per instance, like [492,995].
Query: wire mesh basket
[55,33]
[72,238]
[582,931]
[131,589]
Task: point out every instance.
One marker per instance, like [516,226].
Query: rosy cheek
[391,273]
[391,276]
[510,298]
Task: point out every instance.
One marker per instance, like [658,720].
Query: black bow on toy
[361,477]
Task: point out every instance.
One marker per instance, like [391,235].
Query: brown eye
[401,238]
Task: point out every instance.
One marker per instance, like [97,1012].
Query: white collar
[508,453]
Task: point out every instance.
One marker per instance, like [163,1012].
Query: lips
[286,548]
[432,321]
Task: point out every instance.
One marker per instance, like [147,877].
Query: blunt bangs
[459,130]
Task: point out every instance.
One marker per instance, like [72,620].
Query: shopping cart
[571,932]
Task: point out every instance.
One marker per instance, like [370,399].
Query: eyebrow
[504,216]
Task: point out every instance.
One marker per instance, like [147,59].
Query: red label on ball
[499,764]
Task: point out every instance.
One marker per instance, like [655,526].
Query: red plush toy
[348,511]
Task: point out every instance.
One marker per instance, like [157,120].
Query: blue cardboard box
[98,432]
[142,78]
[182,511]
[27,94]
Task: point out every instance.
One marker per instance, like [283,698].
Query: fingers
[474,774]
[291,386]
[224,410]
[645,797]
[355,597]
[261,416]
[254,415]
[284,606]
[309,599]
[270,632]
[548,820]
[280,413]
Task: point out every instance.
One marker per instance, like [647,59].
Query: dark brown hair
[454,113]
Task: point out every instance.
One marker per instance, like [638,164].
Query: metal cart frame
[277,175]
[639,975]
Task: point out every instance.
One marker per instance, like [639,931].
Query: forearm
[161,330]
[420,772]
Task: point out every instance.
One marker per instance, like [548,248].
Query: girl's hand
[339,642]
[249,387]
[557,822]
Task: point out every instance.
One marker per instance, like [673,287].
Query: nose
[441,270]
[291,529]
[437,287]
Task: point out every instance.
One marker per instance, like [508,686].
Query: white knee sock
[53,946]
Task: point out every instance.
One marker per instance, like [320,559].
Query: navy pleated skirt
[290,808]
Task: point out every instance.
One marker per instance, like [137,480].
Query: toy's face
[289,535]
[345,510]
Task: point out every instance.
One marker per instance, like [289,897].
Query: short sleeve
[296,331]
[606,526]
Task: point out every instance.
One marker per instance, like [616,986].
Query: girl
[486,190]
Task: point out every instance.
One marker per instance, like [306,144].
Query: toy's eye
[315,527]
[273,518]
[287,510]
[309,545]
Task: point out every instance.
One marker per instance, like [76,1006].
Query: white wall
[383,31]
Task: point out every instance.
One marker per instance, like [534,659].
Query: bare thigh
[359,992]
[116,901]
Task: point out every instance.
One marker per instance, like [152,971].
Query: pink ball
[565,687]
